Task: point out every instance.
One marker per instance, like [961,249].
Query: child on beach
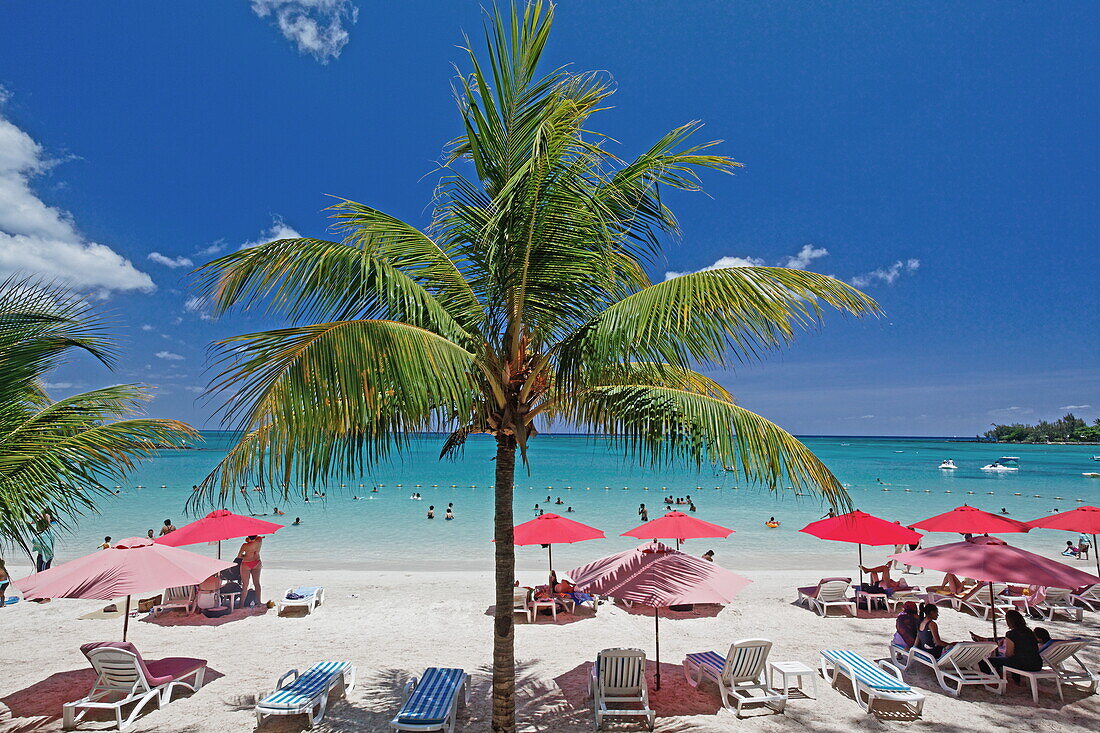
[1070,550]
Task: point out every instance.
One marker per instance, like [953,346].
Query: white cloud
[42,240]
[172,262]
[723,263]
[199,305]
[147,327]
[866,417]
[195,390]
[886,275]
[58,385]
[805,256]
[279,229]
[1014,411]
[213,249]
[1075,407]
[168,356]
[316,27]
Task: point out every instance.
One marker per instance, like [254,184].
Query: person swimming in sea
[431,512]
[296,522]
[277,512]
[450,513]
[568,509]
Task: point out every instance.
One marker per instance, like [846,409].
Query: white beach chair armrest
[293,674]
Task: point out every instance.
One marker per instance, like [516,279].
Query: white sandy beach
[392,624]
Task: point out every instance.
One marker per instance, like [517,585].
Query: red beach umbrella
[971,520]
[861,529]
[1084,519]
[677,526]
[136,565]
[658,576]
[218,525]
[992,560]
[554,529]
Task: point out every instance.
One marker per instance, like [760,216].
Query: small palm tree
[524,303]
[56,457]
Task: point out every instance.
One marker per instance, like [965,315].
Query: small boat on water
[1091,475]
[948,464]
[999,467]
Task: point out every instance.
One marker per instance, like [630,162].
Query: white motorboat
[998,466]
[948,464]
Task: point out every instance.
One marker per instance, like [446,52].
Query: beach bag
[215,612]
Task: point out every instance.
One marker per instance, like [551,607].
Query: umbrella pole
[126,619]
[1095,556]
[550,555]
[994,613]
[657,636]
[860,546]
[219,549]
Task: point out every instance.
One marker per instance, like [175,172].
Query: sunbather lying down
[952,584]
[880,576]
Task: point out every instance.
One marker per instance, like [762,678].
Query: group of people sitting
[1019,648]
[558,589]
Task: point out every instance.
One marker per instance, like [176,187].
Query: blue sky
[943,155]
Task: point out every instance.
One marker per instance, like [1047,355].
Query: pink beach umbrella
[658,576]
[1083,519]
[992,560]
[677,526]
[861,528]
[218,525]
[971,520]
[554,529]
[136,565]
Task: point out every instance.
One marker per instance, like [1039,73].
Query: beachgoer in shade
[880,576]
[907,625]
[709,555]
[249,555]
[1020,648]
[431,512]
[106,543]
[1070,550]
[1041,635]
[297,521]
[1083,546]
[928,633]
[168,527]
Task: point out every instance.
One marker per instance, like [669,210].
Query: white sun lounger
[183,597]
[309,597]
[124,678]
[740,671]
[1057,600]
[618,680]
[431,703]
[980,604]
[1054,658]
[828,592]
[307,693]
[959,666]
[1089,597]
[870,681]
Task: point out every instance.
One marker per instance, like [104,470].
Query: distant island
[1068,429]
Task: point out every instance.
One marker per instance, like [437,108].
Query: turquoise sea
[388,530]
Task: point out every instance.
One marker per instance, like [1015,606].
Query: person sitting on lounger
[880,576]
[951,585]
[907,625]
[928,633]
[1019,649]
[1043,637]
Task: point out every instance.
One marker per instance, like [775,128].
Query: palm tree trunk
[504,652]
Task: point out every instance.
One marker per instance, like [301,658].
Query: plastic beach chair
[1055,658]
[740,671]
[618,680]
[124,678]
[828,592]
[870,681]
[431,703]
[960,666]
[307,597]
[307,693]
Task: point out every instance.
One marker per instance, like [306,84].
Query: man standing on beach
[42,545]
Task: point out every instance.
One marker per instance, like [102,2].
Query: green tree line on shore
[1068,428]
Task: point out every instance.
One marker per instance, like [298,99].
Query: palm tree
[57,457]
[524,303]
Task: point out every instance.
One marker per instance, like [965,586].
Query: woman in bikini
[250,565]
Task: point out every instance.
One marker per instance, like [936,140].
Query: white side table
[545,603]
[798,670]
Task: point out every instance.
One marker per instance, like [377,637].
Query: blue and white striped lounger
[431,704]
[298,694]
[871,681]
